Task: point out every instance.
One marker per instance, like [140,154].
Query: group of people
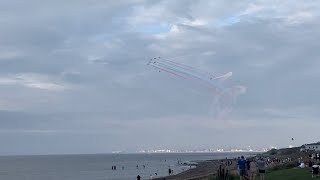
[248,168]
[137,166]
[315,156]
[115,167]
[170,171]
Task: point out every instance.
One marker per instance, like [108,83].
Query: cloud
[32,81]
[9,54]
[30,131]
[300,17]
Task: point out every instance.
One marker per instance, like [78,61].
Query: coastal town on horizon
[202,150]
[247,149]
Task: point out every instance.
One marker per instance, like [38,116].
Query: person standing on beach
[262,168]
[242,168]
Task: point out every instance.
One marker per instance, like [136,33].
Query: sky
[74,79]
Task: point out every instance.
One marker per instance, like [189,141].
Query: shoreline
[208,168]
[203,170]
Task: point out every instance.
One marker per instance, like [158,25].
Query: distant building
[311,147]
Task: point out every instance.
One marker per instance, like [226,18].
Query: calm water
[98,166]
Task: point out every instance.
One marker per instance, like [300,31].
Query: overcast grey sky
[73,74]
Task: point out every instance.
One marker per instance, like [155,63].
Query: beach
[129,166]
[280,164]
[204,170]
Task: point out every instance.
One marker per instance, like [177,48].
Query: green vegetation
[273,152]
[286,152]
[285,174]
[281,173]
[289,174]
[222,174]
[282,167]
[229,177]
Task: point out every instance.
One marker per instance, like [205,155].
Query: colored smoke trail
[224,96]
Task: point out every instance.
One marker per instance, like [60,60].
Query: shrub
[273,152]
[222,173]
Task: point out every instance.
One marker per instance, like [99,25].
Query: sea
[99,166]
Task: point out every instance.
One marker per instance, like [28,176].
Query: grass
[290,174]
[286,174]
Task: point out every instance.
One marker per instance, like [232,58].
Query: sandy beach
[203,170]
